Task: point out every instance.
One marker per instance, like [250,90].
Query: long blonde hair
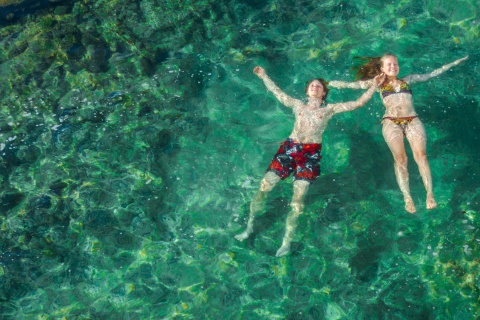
[370,68]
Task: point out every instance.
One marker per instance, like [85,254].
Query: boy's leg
[257,206]
[300,188]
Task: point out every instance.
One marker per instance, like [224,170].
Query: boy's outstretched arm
[271,86]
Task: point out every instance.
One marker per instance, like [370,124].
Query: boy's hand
[259,71]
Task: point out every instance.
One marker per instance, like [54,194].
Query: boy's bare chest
[311,114]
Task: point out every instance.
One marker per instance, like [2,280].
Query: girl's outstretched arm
[351,85]
[271,86]
[424,77]
[364,98]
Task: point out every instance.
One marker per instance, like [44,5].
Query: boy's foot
[242,236]
[284,249]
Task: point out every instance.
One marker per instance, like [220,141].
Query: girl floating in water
[400,119]
[300,153]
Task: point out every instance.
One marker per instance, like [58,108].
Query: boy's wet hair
[324,84]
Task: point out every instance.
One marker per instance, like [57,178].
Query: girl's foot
[431,203]
[409,206]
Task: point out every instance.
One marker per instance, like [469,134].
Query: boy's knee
[269,182]
[266,186]
[297,207]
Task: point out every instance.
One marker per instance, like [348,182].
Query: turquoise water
[134,135]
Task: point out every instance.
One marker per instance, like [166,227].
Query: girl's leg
[417,138]
[257,206]
[393,135]
[300,188]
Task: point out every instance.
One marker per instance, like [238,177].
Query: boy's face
[315,90]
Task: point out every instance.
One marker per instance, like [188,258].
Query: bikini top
[388,89]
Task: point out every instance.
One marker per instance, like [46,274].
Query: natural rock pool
[134,134]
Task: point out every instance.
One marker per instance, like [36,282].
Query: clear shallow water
[134,135]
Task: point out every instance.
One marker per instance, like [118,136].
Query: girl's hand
[460,60]
[379,80]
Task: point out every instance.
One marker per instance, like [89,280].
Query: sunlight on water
[133,136]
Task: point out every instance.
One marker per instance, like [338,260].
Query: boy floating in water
[300,153]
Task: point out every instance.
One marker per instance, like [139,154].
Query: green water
[134,135]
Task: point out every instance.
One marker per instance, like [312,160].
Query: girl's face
[315,90]
[390,66]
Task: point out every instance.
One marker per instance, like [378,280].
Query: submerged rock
[100,221]
[10,200]
[13,10]
[40,202]
[57,187]
[5,3]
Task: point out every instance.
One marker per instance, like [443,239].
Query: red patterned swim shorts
[301,158]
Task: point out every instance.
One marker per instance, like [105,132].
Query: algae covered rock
[5,3]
